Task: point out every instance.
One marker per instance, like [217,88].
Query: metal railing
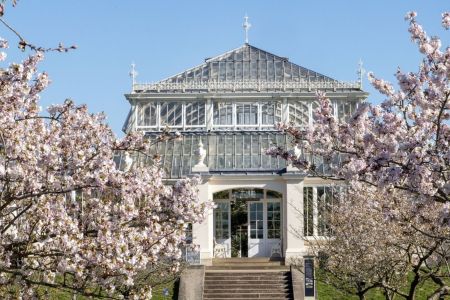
[243,86]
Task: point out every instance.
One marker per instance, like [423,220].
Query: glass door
[256,245]
[273,217]
[222,240]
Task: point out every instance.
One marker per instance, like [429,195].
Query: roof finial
[133,75]
[360,73]
[246,26]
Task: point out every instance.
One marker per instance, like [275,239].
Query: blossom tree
[69,218]
[399,147]
[378,242]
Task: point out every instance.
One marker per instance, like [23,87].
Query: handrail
[243,86]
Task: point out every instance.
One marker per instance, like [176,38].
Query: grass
[327,292]
[172,288]
[158,293]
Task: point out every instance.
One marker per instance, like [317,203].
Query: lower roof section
[227,153]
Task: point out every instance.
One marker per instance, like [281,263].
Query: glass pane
[222,113]
[171,114]
[273,220]
[195,113]
[221,213]
[245,193]
[256,220]
[308,226]
[146,114]
[247,113]
[270,112]
[324,208]
[299,112]
[274,194]
[221,195]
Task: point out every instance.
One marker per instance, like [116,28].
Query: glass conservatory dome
[231,103]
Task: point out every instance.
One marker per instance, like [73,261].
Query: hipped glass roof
[247,63]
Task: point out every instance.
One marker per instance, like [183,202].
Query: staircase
[247,278]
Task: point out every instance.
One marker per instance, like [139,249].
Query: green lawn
[173,291]
[158,293]
[326,292]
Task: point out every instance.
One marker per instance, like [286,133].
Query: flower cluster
[69,218]
[395,157]
[404,142]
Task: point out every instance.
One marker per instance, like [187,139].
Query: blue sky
[167,37]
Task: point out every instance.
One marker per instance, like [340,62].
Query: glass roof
[227,152]
[247,63]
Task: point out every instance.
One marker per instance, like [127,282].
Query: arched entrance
[247,223]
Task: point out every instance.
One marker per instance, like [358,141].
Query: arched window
[146,114]
[299,112]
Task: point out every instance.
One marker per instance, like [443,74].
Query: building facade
[225,110]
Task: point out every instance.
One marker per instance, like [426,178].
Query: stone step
[282,290]
[256,282]
[248,296]
[248,287]
[243,273]
[247,270]
[246,259]
[246,277]
[247,267]
[237,281]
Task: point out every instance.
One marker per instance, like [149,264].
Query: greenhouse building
[225,110]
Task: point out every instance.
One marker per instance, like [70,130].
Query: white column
[134,117]
[209,114]
[203,232]
[293,216]
[285,111]
[310,112]
[315,212]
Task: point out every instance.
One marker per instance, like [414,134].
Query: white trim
[251,85]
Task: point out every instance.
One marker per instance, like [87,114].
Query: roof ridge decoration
[246,27]
[245,69]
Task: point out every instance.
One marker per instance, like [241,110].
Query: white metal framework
[236,114]
[231,103]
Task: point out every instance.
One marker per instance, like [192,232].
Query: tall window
[171,113]
[270,112]
[223,113]
[256,220]
[345,109]
[299,112]
[308,211]
[195,113]
[221,220]
[318,204]
[324,205]
[146,114]
[247,113]
[273,220]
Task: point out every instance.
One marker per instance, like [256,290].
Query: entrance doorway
[239,228]
[247,223]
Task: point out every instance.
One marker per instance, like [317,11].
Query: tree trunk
[361,296]
[413,286]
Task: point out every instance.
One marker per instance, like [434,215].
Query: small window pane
[147,114]
[171,114]
[195,113]
[223,113]
[308,226]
